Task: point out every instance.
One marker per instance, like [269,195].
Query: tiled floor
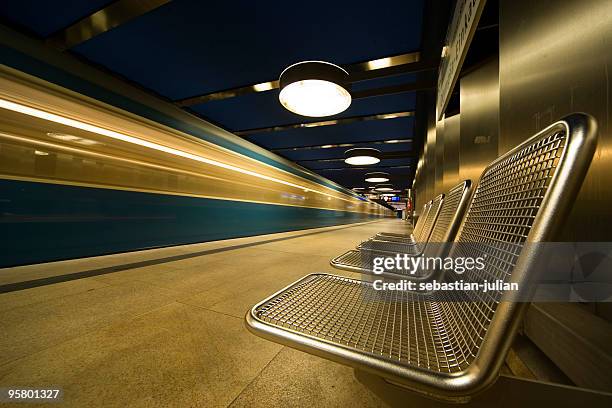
[171,333]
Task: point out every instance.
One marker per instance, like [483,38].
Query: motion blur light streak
[15,107]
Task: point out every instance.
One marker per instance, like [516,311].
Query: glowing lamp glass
[362,156]
[361,160]
[315,98]
[384,187]
[314,89]
[376,177]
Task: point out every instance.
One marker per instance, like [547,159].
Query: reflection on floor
[170,333]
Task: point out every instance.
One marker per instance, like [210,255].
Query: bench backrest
[422,236]
[522,197]
[451,213]
[419,224]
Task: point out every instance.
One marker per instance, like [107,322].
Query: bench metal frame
[483,369]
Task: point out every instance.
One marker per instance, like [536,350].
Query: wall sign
[458,37]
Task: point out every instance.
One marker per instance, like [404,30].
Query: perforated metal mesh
[447,213]
[423,235]
[351,260]
[419,225]
[363,261]
[391,246]
[441,332]
[496,227]
[394,238]
[396,325]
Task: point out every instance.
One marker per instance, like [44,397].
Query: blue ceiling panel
[46,17]
[365,131]
[263,109]
[191,47]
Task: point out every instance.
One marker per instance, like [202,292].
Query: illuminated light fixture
[387,195]
[77,124]
[393,141]
[327,146]
[40,153]
[362,156]
[314,89]
[264,86]
[379,63]
[377,177]
[384,187]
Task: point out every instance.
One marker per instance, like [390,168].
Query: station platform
[164,327]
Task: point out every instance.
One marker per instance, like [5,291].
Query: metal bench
[412,246]
[420,234]
[444,230]
[415,231]
[445,344]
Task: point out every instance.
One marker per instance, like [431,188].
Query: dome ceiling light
[362,156]
[376,177]
[314,89]
[384,187]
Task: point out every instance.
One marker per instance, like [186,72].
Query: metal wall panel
[439,158]
[556,59]
[479,119]
[451,151]
[430,162]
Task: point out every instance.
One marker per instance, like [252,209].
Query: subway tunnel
[321,204]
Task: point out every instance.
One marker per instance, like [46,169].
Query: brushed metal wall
[555,58]
[439,159]
[479,125]
[451,151]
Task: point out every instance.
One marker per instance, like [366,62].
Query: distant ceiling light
[358,188]
[314,88]
[377,177]
[362,156]
[327,146]
[40,153]
[379,63]
[384,187]
[387,195]
[393,141]
[264,86]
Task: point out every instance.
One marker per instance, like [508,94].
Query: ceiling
[182,49]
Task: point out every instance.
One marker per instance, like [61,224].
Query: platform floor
[164,327]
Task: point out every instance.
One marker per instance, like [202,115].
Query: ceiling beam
[377,168]
[343,121]
[331,146]
[113,15]
[378,68]
[383,156]
[395,89]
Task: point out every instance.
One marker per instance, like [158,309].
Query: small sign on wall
[458,38]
